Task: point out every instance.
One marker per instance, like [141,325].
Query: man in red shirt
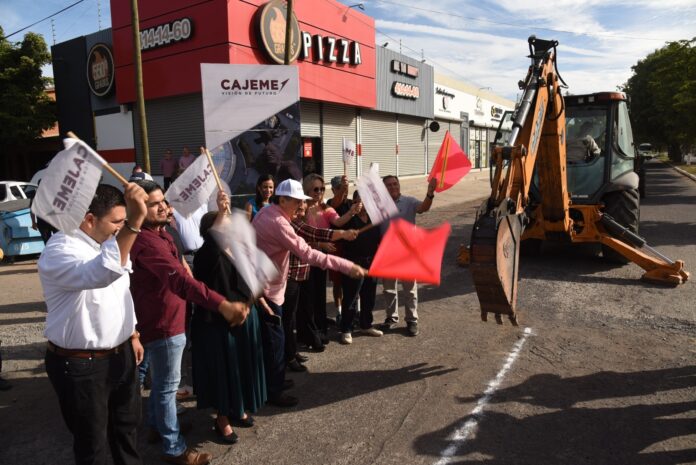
[161,286]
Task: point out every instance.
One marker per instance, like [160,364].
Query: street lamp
[359,5]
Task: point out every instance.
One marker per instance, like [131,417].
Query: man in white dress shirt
[93,347]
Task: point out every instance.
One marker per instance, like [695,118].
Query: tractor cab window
[586,129]
[586,133]
[623,160]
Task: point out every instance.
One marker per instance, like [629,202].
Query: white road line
[462,433]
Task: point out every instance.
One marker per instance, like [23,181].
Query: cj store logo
[272,25]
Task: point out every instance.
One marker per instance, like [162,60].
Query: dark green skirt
[228,373]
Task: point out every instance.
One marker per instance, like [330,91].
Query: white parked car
[15,190]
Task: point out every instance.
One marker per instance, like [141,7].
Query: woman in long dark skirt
[228,372]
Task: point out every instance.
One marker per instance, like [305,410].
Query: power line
[41,20]
[452,14]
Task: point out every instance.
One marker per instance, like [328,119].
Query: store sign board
[404,90]
[166,34]
[330,49]
[100,70]
[400,67]
[271,23]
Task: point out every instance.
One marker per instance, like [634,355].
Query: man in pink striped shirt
[277,238]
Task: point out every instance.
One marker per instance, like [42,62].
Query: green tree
[25,109]
[663,97]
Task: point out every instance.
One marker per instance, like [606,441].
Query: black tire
[624,207]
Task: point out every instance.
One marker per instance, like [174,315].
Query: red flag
[451,164]
[411,253]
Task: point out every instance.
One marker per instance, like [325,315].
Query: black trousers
[317,297]
[100,402]
[364,288]
[307,331]
[292,298]
[273,340]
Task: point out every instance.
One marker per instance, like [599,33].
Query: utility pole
[140,97]
[288,32]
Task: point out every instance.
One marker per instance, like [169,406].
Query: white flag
[348,151]
[69,185]
[193,187]
[237,238]
[375,197]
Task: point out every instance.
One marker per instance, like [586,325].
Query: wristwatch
[430,196]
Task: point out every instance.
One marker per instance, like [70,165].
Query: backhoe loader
[565,173]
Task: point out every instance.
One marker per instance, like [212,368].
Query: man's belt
[84,353]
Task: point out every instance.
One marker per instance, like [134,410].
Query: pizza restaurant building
[349,88]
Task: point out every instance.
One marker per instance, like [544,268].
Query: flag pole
[107,166]
[215,173]
[367,227]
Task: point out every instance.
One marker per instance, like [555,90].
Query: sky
[482,42]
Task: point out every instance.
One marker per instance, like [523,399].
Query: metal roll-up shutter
[337,122]
[172,123]
[435,141]
[435,138]
[310,119]
[411,145]
[378,140]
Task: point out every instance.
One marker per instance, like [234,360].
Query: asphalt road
[601,370]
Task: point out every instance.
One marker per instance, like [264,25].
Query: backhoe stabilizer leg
[656,270]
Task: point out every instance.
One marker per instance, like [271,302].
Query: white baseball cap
[291,188]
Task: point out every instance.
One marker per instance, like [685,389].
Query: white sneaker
[374,332]
[346,338]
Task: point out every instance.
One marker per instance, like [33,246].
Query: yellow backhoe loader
[565,173]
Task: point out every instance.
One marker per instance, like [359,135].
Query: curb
[679,170]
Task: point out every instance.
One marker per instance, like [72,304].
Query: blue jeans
[165,356]
[143,368]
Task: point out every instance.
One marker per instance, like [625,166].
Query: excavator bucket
[494,260]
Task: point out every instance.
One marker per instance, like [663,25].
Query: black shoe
[288,384]
[228,439]
[294,365]
[412,327]
[283,400]
[388,324]
[319,347]
[247,422]
[301,358]
[324,339]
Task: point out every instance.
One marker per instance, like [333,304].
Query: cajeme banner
[238,97]
[66,191]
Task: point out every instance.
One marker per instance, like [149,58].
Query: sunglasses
[319,189]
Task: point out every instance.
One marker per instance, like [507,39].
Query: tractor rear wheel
[624,207]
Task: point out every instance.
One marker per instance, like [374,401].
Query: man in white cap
[277,238]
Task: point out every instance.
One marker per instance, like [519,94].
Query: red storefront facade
[224,31]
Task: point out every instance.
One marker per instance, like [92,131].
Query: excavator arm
[538,134]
